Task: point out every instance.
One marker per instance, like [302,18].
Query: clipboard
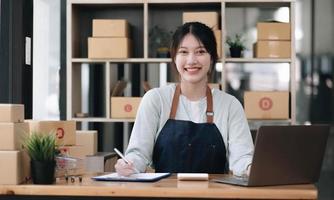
[141,177]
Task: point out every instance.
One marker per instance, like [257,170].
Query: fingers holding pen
[124,168]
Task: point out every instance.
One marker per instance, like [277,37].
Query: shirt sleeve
[140,148]
[240,143]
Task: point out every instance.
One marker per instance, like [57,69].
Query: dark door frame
[16,23]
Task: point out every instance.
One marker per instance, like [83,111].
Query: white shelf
[101,119]
[269,121]
[127,60]
[256,60]
[255,124]
[78,10]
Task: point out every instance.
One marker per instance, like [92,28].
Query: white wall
[46,56]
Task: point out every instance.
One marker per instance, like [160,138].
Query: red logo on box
[127,108]
[60,133]
[266,103]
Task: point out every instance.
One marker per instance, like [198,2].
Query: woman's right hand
[123,168]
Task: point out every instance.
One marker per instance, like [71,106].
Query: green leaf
[41,146]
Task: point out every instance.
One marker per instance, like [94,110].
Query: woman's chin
[194,80]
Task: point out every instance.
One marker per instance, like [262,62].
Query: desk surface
[168,188]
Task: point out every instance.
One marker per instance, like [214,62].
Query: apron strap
[209,106]
[175,102]
[209,109]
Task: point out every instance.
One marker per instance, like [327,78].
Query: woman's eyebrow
[198,47]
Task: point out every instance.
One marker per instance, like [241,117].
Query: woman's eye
[200,52]
[182,52]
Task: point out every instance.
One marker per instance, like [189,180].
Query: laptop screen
[288,154]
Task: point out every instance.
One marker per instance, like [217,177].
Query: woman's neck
[193,92]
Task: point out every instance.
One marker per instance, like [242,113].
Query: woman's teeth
[192,69]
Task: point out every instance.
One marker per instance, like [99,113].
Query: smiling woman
[193,61]
[187,127]
[194,54]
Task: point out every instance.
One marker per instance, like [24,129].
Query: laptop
[285,155]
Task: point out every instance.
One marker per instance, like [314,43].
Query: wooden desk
[165,188]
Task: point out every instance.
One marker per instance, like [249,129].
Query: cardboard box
[64,130]
[266,105]
[88,139]
[11,113]
[13,135]
[101,162]
[110,28]
[104,47]
[273,49]
[211,19]
[218,35]
[69,166]
[76,151]
[273,31]
[10,168]
[25,166]
[124,107]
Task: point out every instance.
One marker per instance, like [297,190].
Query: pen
[121,155]
[126,160]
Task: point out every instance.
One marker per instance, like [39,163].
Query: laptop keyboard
[236,180]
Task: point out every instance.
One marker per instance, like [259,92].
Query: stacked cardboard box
[85,145]
[274,40]
[266,105]
[123,107]
[15,163]
[71,143]
[64,130]
[101,162]
[211,19]
[110,39]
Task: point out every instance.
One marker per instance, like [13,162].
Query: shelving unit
[142,15]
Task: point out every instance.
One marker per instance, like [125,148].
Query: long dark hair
[203,33]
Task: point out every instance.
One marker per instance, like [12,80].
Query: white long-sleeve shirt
[153,113]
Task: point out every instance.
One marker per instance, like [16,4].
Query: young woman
[187,127]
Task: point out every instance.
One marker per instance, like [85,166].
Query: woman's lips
[192,69]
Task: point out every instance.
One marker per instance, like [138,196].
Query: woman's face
[192,60]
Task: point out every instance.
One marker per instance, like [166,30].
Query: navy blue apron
[188,147]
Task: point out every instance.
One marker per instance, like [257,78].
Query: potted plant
[160,41]
[236,46]
[41,149]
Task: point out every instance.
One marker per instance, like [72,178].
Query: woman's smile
[192,60]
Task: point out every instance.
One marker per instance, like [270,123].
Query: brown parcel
[218,35]
[110,28]
[76,151]
[273,49]
[64,130]
[14,168]
[273,31]
[266,105]
[107,47]
[87,139]
[124,107]
[101,162]
[211,19]
[13,135]
[74,166]
[11,112]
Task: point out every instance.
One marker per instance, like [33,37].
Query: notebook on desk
[141,177]
[285,155]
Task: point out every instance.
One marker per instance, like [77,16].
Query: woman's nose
[191,59]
